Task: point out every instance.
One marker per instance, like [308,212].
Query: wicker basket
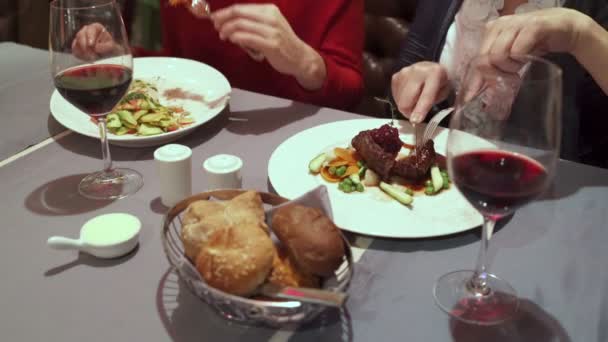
[245,310]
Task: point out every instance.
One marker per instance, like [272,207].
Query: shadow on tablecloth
[60,197]
[188,319]
[91,261]
[265,120]
[532,324]
[53,126]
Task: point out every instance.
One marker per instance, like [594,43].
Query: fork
[416,138]
[203,10]
[433,123]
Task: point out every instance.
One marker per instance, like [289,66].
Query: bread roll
[204,218]
[229,242]
[201,220]
[310,238]
[246,209]
[236,260]
[286,273]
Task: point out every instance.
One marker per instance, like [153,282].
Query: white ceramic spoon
[104,236]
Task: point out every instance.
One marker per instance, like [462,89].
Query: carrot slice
[345,154]
[338,162]
[352,169]
[328,176]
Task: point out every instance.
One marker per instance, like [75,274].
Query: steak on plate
[416,166]
[373,154]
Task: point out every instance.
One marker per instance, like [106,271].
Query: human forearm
[311,71]
[342,87]
[592,51]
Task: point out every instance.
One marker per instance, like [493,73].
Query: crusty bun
[286,273]
[310,238]
[204,218]
[201,220]
[236,260]
[246,209]
[229,242]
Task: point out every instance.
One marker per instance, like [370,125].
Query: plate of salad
[167,99]
[378,184]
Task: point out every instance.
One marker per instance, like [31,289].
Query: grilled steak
[416,166]
[374,156]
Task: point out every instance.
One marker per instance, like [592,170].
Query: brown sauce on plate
[418,185]
[178,93]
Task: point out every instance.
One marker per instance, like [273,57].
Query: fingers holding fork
[202,10]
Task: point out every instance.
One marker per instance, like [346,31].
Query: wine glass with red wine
[502,148]
[92,68]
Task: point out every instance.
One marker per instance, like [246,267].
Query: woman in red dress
[302,50]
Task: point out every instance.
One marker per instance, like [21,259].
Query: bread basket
[235,308]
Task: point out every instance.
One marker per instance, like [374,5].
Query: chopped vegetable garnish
[140,113]
[436,178]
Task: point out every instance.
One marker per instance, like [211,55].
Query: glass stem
[479,283]
[105,147]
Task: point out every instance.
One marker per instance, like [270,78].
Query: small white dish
[104,236]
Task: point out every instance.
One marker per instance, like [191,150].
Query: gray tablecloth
[553,252]
[25,90]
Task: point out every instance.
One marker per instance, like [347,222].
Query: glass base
[109,185]
[496,303]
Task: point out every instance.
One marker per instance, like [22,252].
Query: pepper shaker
[223,172]
[175,172]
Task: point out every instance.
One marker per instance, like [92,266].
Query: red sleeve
[342,50]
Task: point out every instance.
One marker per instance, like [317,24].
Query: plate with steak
[379,184]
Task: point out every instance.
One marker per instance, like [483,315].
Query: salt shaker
[223,172]
[175,172]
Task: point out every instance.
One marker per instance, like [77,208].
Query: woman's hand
[263,29]
[418,87]
[93,41]
[550,30]
[538,33]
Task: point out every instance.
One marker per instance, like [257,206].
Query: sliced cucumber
[139,114]
[122,130]
[315,165]
[113,121]
[396,193]
[145,129]
[436,178]
[127,118]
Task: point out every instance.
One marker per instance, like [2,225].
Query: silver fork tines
[416,138]
[434,122]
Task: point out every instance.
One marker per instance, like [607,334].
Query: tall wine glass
[502,148]
[92,68]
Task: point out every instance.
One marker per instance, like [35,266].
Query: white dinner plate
[165,73]
[371,212]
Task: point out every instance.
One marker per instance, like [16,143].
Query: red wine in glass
[501,151]
[498,182]
[95,89]
[92,67]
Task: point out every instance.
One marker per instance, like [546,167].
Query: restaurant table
[25,88]
[552,251]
